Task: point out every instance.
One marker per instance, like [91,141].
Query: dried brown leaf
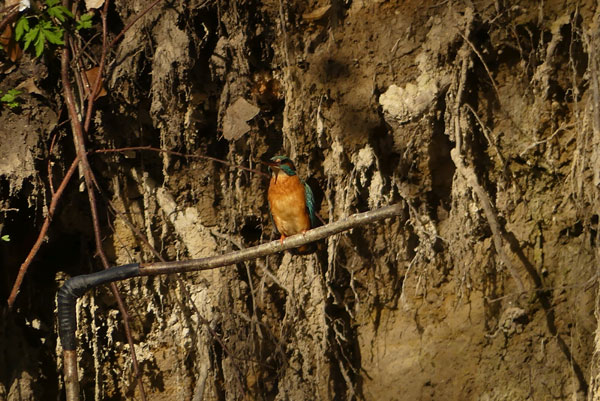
[11,47]
[91,76]
[91,4]
[29,86]
[236,118]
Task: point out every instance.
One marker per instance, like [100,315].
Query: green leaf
[54,35]
[30,36]
[85,21]
[46,26]
[11,98]
[21,27]
[66,11]
[59,12]
[13,93]
[39,45]
[53,12]
[5,238]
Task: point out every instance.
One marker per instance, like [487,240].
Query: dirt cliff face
[480,119]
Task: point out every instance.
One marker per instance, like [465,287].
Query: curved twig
[38,243]
[171,152]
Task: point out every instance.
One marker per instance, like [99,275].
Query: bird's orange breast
[287,200]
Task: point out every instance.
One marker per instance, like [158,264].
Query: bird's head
[281,165]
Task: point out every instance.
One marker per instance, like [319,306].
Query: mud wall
[480,119]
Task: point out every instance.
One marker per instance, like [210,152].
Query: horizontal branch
[76,286]
[295,241]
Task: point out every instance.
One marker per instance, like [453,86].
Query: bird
[291,200]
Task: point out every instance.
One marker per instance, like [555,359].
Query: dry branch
[295,241]
[38,243]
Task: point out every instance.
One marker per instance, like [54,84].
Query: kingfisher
[291,200]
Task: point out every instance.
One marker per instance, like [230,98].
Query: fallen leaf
[6,35]
[317,14]
[90,4]
[236,118]
[11,47]
[92,75]
[29,86]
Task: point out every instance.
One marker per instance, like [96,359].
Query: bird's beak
[272,165]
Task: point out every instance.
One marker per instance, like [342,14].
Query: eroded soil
[476,117]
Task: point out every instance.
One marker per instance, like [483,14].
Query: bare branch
[295,241]
[186,155]
[38,243]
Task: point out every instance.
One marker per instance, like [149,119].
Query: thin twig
[133,21]
[80,78]
[563,127]
[42,235]
[77,57]
[171,152]
[50,175]
[466,39]
[98,83]
[486,133]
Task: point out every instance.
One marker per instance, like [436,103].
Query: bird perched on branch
[291,200]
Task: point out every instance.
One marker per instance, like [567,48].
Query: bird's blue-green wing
[310,204]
